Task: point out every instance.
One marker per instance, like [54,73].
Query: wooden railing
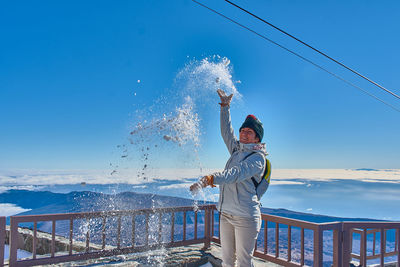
[287,260]
[365,229]
[284,241]
[109,235]
[341,241]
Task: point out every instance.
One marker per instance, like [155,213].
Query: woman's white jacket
[237,192]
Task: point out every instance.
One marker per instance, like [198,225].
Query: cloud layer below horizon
[279,176]
[363,193]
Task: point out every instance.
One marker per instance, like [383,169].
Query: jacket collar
[259,147]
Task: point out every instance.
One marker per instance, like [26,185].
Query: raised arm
[246,169]
[227,131]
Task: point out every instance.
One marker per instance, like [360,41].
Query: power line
[316,50]
[298,55]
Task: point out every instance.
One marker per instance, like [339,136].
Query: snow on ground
[20,253]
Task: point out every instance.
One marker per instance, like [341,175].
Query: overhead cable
[298,55]
[316,50]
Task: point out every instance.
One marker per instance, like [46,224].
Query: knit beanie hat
[255,124]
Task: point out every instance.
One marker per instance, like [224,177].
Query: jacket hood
[260,147]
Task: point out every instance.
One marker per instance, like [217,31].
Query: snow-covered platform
[188,256]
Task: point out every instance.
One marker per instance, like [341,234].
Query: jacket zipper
[223,187]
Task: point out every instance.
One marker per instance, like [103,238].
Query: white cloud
[19,187]
[283,182]
[8,209]
[379,181]
[175,186]
[139,186]
[383,175]
[130,176]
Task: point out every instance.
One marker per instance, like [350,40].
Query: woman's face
[248,136]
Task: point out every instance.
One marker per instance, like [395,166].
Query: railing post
[346,248]
[302,246]
[172,226]
[207,230]
[147,229]
[159,228]
[289,246]
[318,247]
[398,246]
[212,222]
[337,246]
[71,235]
[13,241]
[184,226]
[195,224]
[53,238]
[383,246]
[363,248]
[265,237]
[119,231]
[2,238]
[276,240]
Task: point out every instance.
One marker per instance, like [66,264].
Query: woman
[239,206]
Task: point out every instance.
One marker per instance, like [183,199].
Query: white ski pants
[238,238]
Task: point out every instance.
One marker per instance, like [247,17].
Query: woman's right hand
[203,182]
[195,187]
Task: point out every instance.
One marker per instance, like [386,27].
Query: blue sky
[69,70]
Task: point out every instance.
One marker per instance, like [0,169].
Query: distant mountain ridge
[45,202]
[42,202]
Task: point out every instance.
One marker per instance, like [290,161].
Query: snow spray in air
[169,133]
